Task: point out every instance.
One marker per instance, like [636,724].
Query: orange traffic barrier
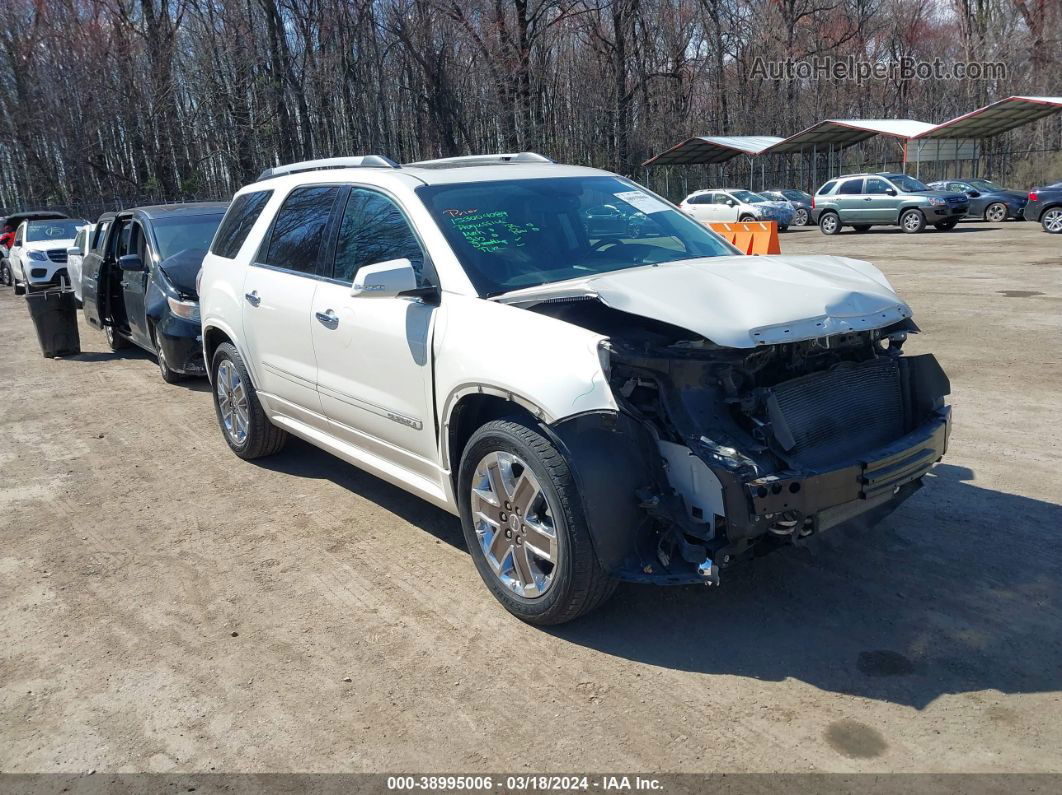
[750,237]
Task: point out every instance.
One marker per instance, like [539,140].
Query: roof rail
[364,161]
[482,160]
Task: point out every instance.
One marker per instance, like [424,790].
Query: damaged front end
[724,452]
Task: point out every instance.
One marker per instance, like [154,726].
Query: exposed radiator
[837,415]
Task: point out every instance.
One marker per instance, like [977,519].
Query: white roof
[996,118]
[847,132]
[712,149]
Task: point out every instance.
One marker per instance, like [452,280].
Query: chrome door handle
[252,298]
[327,319]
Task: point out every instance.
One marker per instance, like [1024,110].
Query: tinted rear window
[298,230]
[851,186]
[239,219]
[826,188]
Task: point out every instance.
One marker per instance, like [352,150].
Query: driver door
[374,371]
[134,283]
[726,208]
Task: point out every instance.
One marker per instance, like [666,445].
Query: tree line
[118,101]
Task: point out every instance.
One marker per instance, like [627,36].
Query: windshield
[984,184]
[65,229]
[748,197]
[908,184]
[174,235]
[521,233]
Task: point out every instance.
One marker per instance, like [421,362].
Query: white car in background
[39,252]
[594,407]
[75,257]
[735,204]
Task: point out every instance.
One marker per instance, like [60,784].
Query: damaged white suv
[595,407]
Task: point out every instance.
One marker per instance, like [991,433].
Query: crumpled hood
[182,268]
[743,301]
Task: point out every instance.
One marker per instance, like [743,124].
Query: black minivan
[138,283]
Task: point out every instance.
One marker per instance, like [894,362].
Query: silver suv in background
[885,199]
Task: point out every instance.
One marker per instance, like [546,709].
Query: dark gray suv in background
[885,199]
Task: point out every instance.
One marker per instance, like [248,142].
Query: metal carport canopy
[842,133]
[999,117]
[711,149]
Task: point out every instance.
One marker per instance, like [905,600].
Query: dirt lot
[168,607]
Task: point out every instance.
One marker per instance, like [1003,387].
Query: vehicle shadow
[303,460]
[132,352]
[956,592]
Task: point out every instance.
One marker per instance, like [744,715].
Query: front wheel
[829,223]
[1051,221]
[912,222]
[523,523]
[169,375]
[20,288]
[243,421]
[5,273]
[746,219]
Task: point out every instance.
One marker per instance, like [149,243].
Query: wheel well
[473,412]
[212,338]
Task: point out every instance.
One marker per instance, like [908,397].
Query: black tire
[5,273]
[579,583]
[830,223]
[946,226]
[783,227]
[263,437]
[20,289]
[168,375]
[746,218]
[912,221]
[996,212]
[115,341]
[861,227]
[802,217]
[1051,220]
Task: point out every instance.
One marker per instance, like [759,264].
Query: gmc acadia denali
[595,408]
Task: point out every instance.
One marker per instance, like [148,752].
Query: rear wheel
[115,341]
[996,212]
[801,217]
[912,222]
[829,223]
[524,525]
[243,421]
[1051,221]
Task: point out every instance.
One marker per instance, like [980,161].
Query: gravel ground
[168,607]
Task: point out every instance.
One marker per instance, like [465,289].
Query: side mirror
[973,194]
[130,262]
[388,279]
[890,191]
[731,203]
[73,252]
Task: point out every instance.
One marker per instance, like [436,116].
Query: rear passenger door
[278,299]
[851,203]
[374,354]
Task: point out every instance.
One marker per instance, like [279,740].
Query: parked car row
[601,388]
[862,201]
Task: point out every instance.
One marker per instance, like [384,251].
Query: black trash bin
[54,313]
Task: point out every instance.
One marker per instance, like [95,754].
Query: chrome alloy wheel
[801,218]
[996,213]
[232,402]
[829,223]
[911,221]
[1052,220]
[514,524]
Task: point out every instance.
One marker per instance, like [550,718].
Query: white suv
[594,408]
[39,251]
